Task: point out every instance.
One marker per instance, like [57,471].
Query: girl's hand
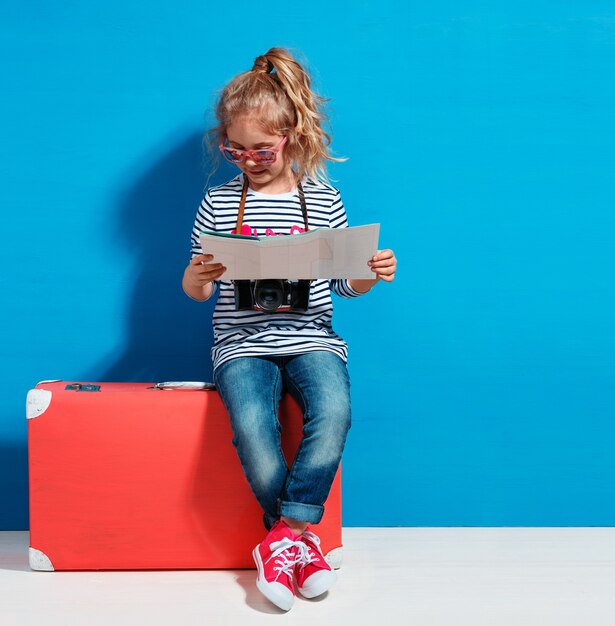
[384,264]
[202,271]
[199,275]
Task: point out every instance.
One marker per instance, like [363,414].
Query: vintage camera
[272,295]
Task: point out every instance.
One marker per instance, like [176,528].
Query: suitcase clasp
[81,387]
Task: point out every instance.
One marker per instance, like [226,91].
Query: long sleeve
[205,220]
[338,219]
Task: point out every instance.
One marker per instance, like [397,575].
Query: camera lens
[268,294]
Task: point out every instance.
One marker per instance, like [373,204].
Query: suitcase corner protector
[37,402]
[39,561]
[335,557]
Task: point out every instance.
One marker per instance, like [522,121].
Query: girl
[270,126]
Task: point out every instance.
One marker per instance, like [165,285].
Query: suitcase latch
[81,387]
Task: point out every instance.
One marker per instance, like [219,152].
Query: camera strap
[242,205]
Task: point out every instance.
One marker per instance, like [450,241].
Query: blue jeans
[251,388]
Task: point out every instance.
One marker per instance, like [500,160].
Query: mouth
[257,172]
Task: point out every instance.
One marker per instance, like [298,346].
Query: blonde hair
[277,91]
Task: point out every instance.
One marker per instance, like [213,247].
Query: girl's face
[246,133]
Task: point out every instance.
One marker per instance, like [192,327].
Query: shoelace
[283,556]
[307,555]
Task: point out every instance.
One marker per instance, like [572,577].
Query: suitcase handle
[185,385]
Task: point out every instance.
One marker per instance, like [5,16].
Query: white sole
[318,583]
[277,593]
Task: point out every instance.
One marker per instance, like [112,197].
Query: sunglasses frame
[252,154]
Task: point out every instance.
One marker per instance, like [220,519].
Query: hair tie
[262,64]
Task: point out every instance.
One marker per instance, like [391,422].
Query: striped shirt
[254,333]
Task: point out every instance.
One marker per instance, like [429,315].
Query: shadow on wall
[14,489]
[168,336]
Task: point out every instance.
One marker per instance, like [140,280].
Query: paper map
[318,253]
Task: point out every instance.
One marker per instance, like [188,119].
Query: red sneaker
[275,558]
[314,574]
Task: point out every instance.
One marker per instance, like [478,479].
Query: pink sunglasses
[262,157]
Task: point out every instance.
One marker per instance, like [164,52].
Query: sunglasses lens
[234,156]
[264,157]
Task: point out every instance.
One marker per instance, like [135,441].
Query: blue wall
[479,134]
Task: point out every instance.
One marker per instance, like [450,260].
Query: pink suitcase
[131,476]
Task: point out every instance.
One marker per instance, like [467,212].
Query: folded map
[318,253]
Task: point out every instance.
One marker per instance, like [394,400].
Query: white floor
[409,576]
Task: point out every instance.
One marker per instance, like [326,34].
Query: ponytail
[277,90]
